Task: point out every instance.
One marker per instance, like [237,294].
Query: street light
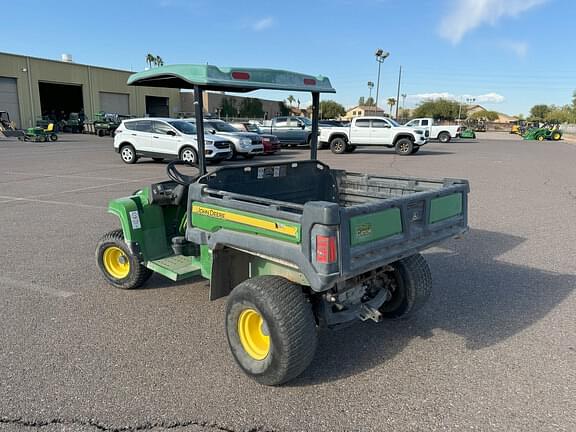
[380,57]
[370,87]
[403,105]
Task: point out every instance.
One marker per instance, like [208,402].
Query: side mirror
[212,131]
[302,125]
[171,133]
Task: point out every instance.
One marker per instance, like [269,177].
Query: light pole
[469,100]
[370,87]
[380,57]
[403,105]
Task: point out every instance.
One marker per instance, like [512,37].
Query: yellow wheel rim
[540,138]
[252,337]
[116,262]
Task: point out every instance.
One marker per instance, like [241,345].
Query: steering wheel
[178,177]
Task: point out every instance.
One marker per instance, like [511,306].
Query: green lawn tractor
[106,123]
[39,134]
[294,245]
[468,133]
[547,132]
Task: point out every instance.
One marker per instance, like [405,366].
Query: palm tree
[290,99]
[159,61]
[391,102]
[150,59]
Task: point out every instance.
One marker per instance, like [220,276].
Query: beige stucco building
[363,110]
[31,87]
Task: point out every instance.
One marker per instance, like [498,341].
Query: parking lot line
[8,199]
[13,283]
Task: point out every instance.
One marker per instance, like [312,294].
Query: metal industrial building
[32,87]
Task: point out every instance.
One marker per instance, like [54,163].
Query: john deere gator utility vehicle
[294,245]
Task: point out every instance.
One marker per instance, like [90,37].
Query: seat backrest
[294,182]
[50,127]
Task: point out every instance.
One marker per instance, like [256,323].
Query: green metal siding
[375,226]
[445,207]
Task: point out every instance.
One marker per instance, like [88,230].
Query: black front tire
[412,285]
[444,137]
[137,274]
[288,320]
[189,155]
[404,146]
[338,145]
[53,137]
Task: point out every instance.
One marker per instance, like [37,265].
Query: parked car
[289,130]
[164,138]
[247,144]
[373,131]
[443,133]
[270,142]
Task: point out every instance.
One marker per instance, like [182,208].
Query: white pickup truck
[443,133]
[373,131]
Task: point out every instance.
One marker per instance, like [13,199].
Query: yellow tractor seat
[50,127]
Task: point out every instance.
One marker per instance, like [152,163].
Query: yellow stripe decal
[246,220]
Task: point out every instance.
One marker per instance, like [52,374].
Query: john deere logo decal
[364,230]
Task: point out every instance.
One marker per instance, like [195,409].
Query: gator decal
[375,226]
[213,217]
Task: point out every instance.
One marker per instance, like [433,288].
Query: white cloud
[520,49]
[483,98]
[263,24]
[466,15]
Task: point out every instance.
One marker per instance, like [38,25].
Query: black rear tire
[444,137]
[128,154]
[412,285]
[338,145]
[286,318]
[136,274]
[404,146]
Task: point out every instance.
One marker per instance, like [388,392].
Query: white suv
[164,138]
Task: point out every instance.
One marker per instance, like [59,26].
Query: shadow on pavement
[481,299]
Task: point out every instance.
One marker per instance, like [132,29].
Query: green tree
[158,61]
[251,108]
[370,101]
[484,115]
[539,112]
[574,101]
[441,109]
[150,59]
[391,102]
[283,109]
[331,109]
[228,108]
[361,101]
[290,99]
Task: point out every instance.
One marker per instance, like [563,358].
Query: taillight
[326,249]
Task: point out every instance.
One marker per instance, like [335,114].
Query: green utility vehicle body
[295,245]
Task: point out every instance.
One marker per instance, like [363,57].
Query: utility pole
[398,92]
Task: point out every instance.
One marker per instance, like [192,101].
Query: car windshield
[306,121]
[394,122]
[221,126]
[184,127]
[250,127]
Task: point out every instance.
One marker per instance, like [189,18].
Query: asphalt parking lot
[495,349]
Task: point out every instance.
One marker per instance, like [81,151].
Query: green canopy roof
[234,79]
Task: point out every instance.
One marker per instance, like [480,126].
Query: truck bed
[380,219]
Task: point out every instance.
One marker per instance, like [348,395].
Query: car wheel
[128,154]
[189,155]
[338,145]
[53,137]
[410,284]
[119,266]
[444,137]
[404,146]
[271,329]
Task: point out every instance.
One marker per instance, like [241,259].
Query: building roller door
[118,103]
[9,99]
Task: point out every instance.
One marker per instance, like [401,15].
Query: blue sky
[508,54]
